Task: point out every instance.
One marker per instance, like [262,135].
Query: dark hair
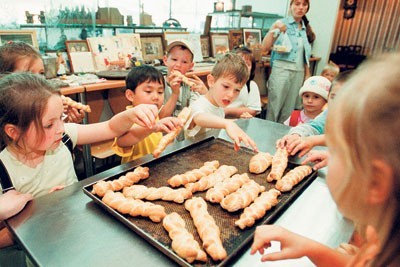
[12,52]
[231,65]
[141,74]
[248,54]
[309,32]
[23,100]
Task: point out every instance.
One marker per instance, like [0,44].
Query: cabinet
[235,19]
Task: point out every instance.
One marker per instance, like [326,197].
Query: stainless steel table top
[66,228]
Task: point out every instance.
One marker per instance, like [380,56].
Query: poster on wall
[115,52]
[192,38]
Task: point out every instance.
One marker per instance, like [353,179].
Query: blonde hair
[231,65]
[364,129]
[331,66]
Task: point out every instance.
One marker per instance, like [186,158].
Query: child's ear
[165,57]
[381,183]
[129,94]
[12,131]
[210,80]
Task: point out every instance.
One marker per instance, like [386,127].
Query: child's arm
[295,246]
[199,86]
[11,203]
[207,120]
[237,112]
[297,144]
[138,133]
[143,115]
[175,82]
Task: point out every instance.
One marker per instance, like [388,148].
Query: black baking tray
[187,158]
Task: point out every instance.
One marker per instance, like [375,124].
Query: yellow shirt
[144,147]
[139,150]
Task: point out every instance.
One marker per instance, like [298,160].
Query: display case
[234,19]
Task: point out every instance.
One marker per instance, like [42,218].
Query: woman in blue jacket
[289,67]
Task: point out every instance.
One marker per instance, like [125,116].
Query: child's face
[313,102]
[53,127]
[330,75]
[28,64]
[179,59]
[147,93]
[223,91]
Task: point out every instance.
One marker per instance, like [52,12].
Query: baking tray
[187,158]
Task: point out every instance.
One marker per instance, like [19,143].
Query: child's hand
[12,202]
[199,87]
[318,157]
[168,124]
[287,140]
[292,245]
[175,82]
[246,115]
[145,115]
[57,188]
[74,115]
[238,135]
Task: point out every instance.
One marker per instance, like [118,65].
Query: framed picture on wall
[192,38]
[205,46]
[252,38]
[235,38]
[219,44]
[152,46]
[80,57]
[26,36]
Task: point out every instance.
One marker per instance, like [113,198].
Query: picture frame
[219,44]
[252,38]
[205,45]
[27,36]
[153,46]
[79,56]
[235,38]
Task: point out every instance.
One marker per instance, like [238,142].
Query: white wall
[266,6]
[322,17]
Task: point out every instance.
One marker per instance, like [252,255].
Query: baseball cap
[316,84]
[183,43]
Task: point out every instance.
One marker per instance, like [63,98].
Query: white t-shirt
[57,168]
[248,99]
[202,105]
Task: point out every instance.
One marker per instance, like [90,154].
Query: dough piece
[209,181]
[292,178]
[257,210]
[153,193]
[134,207]
[227,186]
[72,103]
[279,164]
[208,230]
[260,162]
[184,78]
[183,242]
[241,198]
[130,178]
[194,175]
[183,116]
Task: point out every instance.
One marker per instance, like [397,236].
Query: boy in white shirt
[225,81]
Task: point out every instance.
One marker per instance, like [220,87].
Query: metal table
[66,228]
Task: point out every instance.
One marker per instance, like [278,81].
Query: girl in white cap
[314,95]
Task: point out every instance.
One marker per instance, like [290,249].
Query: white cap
[316,84]
[183,43]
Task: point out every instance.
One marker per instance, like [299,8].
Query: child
[330,71]
[225,82]
[304,137]
[363,175]
[314,95]
[11,203]
[31,128]
[144,85]
[22,57]
[248,103]
[179,60]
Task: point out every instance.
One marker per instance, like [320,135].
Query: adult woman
[290,68]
